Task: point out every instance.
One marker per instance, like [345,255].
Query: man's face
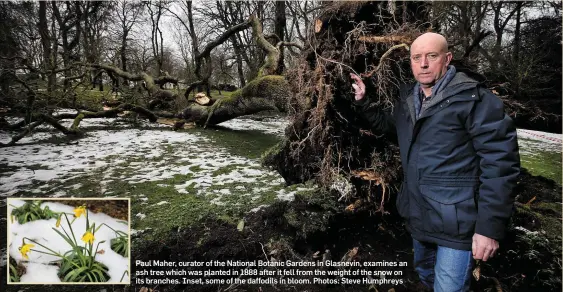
[429,62]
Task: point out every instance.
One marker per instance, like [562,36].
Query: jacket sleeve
[494,139]
[381,121]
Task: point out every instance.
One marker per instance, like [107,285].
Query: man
[460,159]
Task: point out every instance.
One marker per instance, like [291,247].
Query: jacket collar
[460,82]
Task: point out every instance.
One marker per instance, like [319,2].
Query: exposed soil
[118,209]
[224,242]
[520,266]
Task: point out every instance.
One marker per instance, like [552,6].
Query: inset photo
[69,241]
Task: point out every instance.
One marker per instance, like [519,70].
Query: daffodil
[79,211]
[88,237]
[24,249]
[59,221]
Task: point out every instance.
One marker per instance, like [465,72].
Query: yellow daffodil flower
[88,237]
[24,249]
[79,211]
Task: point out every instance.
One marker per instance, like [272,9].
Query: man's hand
[483,247]
[359,87]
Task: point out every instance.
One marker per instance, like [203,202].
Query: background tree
[156,12]
[127,14]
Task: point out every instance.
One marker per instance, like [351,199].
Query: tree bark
[279,30]
[263,93]
[46,45]
[151,84]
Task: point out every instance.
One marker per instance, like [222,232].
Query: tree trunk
[123,54]
[46,45]
[279,30]
[517,48]
[52,82]
[238,58]
[63,30]
[263,93]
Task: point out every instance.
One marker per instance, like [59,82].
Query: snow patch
[266,125]
[140,216]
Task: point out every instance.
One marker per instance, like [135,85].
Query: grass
[544,163]
[250,144]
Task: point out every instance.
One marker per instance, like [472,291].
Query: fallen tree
[266,92]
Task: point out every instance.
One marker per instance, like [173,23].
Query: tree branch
[407,39]
[273,56]
[19,136]
[383,57]
[482,35]
[288,44]
[205,55]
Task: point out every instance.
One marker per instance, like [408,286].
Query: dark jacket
[460,161]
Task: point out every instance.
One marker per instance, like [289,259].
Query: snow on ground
[132,155]
[38,269]
[532,141]
[267,125]
[542,136]
[67,161]
[124,154]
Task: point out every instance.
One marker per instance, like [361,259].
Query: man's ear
[449,57]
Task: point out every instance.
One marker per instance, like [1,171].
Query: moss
[268,198]
[88,186]
[268,157]
[549,215]
[179,178]
[179,209]
[259,87]
[77,121]
[548,208]
[263,86]
[267,88]
[200,241]
[292,218]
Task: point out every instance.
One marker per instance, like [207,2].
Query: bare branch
[19,136]
[383,57]
[288,44]
[407,39]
